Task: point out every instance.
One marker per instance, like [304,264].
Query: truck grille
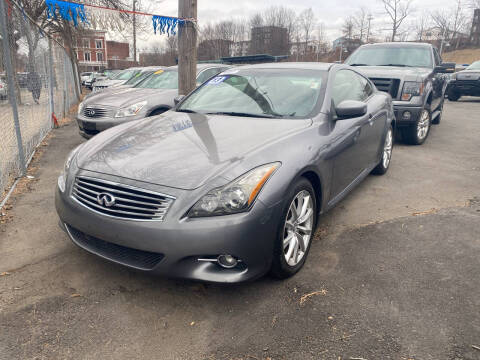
[139,259]
[120,201]
[389,86]
[95,112]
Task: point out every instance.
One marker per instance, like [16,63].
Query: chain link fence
[37,79]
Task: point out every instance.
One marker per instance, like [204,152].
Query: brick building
[91,50]
[118,55]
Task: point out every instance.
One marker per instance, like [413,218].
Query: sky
[329,12]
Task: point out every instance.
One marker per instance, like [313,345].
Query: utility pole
[134,32]
[187,47]
[369,18]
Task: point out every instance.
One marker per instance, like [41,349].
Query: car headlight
[62,179]
[131,110]
[411,89]
[235,197]
[80,107]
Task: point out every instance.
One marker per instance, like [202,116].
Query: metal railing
[37,79]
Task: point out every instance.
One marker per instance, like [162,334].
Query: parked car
[151,97]
[118,79]
[465,83]
[3,90]
[84,77]
[414,75]
[227,186]
[94,77]
[134,80]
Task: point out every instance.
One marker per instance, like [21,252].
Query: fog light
[227,261]
[407,115]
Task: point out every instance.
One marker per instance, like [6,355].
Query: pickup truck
[415,77]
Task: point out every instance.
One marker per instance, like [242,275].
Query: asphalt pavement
[393,273]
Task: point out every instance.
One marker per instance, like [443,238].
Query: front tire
[453,96]
[295,231]
[384,164]
[418,133]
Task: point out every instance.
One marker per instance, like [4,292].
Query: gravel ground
[392,274]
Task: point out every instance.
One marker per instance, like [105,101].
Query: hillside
[464,56]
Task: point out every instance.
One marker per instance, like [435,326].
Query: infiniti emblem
[106,199]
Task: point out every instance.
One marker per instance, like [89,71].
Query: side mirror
[177,99]
[445,68]
[348,109]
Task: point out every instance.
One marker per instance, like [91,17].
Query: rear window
[407,56]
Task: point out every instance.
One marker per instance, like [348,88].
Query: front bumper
[172,247]
[465,87]
[402,110]
[91,127]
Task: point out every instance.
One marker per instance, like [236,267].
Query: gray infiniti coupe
[227,186]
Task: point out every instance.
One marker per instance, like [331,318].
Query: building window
[76,54]
[99,56]
[86,56]
[98,44]
[86,43]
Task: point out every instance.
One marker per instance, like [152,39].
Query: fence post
[51,83]
[7,60]
[65,84]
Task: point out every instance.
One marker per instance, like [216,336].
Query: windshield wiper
[233,113]
[398,65]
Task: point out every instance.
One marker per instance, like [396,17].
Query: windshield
[259,92]
[160,80]
[409,56]
[138,78]
[474,66]
[125,75]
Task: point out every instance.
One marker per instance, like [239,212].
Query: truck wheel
[418,133]
[453,96]
[438,118]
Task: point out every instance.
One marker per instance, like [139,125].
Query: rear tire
[453,96]
[418,133]
[295,234]
[384,164]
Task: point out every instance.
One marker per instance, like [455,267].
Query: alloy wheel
[423,125]
[297,231]
[387,149]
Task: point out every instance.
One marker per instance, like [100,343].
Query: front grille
[389,86]
[120,201]
[139,259]
[96,112]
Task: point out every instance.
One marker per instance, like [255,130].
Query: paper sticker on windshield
[217,80]
[158,72]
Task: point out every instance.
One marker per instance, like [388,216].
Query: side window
[207,74]
[348,85]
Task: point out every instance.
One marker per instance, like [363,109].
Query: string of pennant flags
[76,12]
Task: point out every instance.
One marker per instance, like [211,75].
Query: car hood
[109,82]
[181,150]
[468,75]
[123,97]
[405,73]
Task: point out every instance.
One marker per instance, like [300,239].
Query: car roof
[398,44]
[291,65]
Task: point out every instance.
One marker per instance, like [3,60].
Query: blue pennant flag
[165,25]
[67,10]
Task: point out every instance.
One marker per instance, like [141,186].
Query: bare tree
[347,27]
[459,21]
[421,25]
[307,22]
[360,23]
[398,11]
